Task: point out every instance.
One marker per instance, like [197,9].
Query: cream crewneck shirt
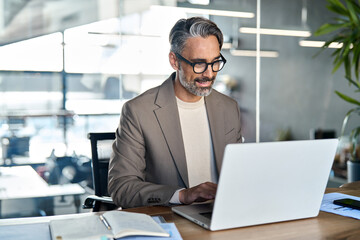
[197,144]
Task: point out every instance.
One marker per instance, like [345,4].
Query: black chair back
[100,151]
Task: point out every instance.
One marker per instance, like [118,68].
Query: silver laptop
[266,182]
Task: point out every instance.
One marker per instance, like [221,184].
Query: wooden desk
[325,226]
[23,182]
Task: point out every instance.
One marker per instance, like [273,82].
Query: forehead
[202,48]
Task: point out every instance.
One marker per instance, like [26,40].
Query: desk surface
[20,182]
[325,226]
[24,182]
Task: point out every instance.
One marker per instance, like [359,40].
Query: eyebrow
[204,60]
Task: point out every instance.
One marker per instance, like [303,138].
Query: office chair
[100,153]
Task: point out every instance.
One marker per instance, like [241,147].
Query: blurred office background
[66,68]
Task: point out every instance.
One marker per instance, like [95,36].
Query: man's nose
[208,72]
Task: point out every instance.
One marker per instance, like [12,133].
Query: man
[171,139]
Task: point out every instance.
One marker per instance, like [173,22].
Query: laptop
[264,183]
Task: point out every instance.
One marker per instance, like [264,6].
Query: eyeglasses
[200,67]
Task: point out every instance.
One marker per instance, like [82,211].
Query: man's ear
[173,61]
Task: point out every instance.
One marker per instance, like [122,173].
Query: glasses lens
[217,65]
[200,67]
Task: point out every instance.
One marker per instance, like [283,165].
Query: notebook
[268,182]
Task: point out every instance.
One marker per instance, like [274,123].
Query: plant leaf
[352,13]
[347,66]
[341,20]
[326,44]
[356,83]
[336,52]
[329,27]
[337,7]
[346,119]
[356,58]
[356,7]
[355,132]
[346,47]
[337,63]
[357,66]
[347,98]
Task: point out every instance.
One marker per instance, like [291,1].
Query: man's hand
[200,193]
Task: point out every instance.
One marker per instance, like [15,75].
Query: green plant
[345,31]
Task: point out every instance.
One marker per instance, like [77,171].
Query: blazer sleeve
[127,168]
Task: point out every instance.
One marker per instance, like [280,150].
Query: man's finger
[199,193]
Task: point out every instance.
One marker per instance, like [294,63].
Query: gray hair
[192,27]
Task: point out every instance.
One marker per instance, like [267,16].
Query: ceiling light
[118,34]
[207,11]
[200,2]
[280,32]
[252,53]
[319,44]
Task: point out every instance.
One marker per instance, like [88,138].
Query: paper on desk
[327,205]
[36,231]
[169,227]
[33,231]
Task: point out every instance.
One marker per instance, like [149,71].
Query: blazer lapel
[217,128]
[168,117]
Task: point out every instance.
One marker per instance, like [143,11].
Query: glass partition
[297,87]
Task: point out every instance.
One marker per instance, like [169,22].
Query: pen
[107,225]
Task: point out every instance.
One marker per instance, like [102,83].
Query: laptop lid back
[271,182]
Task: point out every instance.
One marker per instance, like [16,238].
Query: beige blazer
[148,162]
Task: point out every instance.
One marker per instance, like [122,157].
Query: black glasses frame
[207,64]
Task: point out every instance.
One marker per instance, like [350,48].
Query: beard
[198,91]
